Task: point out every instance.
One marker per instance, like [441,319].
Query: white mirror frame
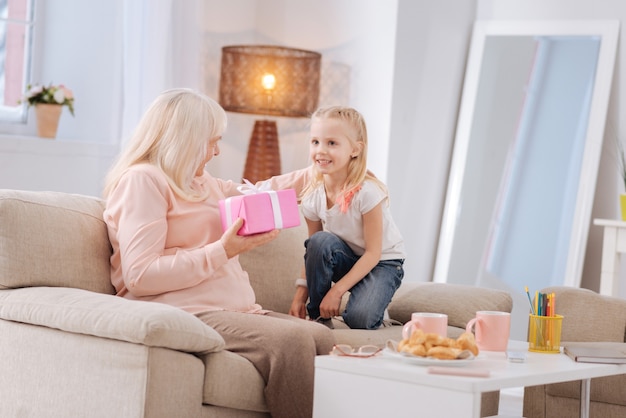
[608,31]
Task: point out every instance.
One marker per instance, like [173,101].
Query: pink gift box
[261,212]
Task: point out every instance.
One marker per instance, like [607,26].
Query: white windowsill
[57,146]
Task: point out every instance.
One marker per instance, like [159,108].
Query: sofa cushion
[273,278]
[459,302]
[83,312]
[249,394]
[53,239]
[359,337]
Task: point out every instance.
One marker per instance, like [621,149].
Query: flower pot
[47,119]
[622,205]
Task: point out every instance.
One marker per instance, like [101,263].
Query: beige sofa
[588,318]
[70,348]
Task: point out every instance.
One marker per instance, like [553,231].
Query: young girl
[163,219]
[353,241]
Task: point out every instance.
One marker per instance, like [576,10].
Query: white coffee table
[382,386]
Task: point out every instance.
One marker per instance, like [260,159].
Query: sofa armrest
[84,312]
[459,302]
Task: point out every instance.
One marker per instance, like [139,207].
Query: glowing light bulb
[268,81]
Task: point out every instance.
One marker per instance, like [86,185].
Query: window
[15,56]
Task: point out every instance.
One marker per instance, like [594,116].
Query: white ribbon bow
[247,189]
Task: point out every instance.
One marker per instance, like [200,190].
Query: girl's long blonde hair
[357,167]
[172,135]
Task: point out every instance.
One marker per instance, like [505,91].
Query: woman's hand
[236,244]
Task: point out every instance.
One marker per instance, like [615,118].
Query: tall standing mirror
[526,153]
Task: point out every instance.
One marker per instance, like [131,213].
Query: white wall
[431,50]
[356,41]
[42,164]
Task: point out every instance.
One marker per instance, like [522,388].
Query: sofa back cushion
[274,267]
[589,316]
[53,239]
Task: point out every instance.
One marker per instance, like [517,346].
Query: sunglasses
[348,351]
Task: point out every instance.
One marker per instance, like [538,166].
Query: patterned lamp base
[263,160]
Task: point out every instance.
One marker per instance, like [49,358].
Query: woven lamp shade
[297,75]
[292,89]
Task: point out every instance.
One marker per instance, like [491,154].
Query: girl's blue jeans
[327,259]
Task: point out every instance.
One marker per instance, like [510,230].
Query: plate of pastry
[427,361]
[426,349]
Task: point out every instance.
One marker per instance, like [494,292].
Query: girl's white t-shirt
[349,226]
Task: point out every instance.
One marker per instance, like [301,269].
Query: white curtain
[160,51]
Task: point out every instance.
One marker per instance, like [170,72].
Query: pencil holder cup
[544,333]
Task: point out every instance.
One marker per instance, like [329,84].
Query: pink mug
[492,330]
[428,322]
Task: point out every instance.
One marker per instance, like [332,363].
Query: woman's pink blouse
[168,250]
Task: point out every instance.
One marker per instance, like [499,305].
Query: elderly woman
[164,224]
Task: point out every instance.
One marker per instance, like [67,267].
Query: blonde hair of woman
[175,115]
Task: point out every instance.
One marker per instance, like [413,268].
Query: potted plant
[48,102]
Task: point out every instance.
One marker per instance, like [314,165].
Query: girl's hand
[298,309]
[298,305]
[330,304]
[236,244]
